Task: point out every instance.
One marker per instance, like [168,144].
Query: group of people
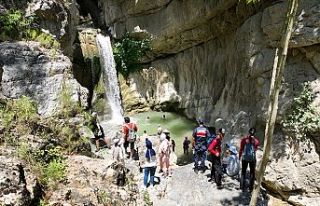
[124,145]
[208,145]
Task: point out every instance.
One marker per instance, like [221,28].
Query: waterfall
[108,65]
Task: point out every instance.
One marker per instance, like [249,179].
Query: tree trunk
[275,86]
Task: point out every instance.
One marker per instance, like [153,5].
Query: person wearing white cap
[231,162]
[117,150]
[164,151]
[159,130]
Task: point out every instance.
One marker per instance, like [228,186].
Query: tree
[275,86]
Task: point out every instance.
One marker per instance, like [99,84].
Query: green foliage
[54,172]
[48,165]
[18,115]
[25,108]
[252,1]
[46,40]
[100,89]
[103,197]
[69,107]
[22,109]
[302,118]
[128,53]
[43,203]
[146,198]
[14,24]
[99,105]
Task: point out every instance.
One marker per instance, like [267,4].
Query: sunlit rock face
[32,71]
[213,60]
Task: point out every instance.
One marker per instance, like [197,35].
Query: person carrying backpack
[129,130]
[212,136]
[200,135]
[248,148]
[215,150]
[97,131]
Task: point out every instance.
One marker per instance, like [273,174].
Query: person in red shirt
[127,126]
[248,147]
[215,150]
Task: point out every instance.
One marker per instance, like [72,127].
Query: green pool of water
[178,126]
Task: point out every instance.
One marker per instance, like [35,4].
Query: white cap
[162,137]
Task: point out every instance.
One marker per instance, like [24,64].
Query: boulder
[59,18]
[89,182]
[18,186]
[31,71]
[293,172]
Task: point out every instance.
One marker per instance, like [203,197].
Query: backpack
[210,139]
[132,135]
[249,153]
[233,166]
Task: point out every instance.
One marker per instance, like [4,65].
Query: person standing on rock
[164,151]
[159,130]
[97,131]
[129,130]
[200,135]
[186,144]
[150,164]
[248,148]
[215,150]
[117,151]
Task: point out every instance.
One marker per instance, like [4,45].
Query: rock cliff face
[29,70]
[213,60]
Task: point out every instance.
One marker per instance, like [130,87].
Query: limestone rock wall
[30,70]
[213,60]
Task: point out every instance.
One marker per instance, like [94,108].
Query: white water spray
[108,65]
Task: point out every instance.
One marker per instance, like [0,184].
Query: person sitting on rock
[150,164]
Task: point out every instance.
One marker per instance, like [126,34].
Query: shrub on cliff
[302,118]
[13,24]
[128,53]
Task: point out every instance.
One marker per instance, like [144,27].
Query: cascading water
[112,90]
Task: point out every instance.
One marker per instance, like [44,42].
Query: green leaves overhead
[252,1]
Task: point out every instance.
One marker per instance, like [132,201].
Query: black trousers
[252,166]
[216,170]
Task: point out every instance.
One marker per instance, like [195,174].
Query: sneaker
[219,187]
[210,180]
